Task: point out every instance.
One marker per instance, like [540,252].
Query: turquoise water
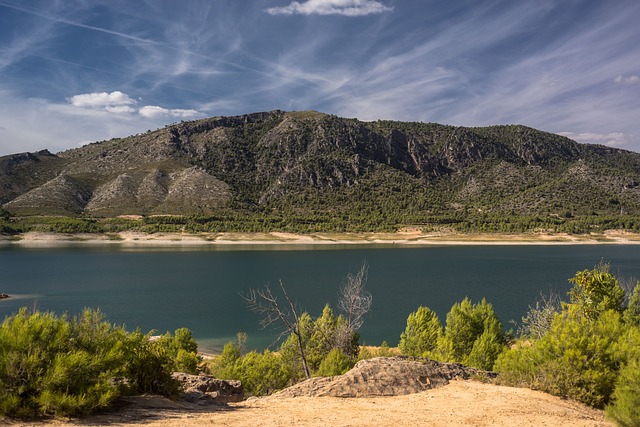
[164,289]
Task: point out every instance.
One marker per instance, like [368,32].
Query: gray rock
[199,388]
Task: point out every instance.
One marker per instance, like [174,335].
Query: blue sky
[74,71]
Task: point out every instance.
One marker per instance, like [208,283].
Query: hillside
[308,171]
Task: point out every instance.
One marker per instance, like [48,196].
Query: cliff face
[287,160]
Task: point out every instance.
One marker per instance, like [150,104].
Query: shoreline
[129,239]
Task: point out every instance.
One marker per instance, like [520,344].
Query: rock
[384,376]
[202,388]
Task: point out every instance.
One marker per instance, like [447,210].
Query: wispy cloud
[614,139]
[331,7]
[154,112]
[633,79]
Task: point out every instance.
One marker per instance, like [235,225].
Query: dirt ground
[460,403]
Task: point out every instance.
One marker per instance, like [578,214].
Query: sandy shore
[461,403]
[413,238]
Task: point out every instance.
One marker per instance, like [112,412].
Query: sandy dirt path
[461,403]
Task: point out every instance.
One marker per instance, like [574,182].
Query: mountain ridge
[312,164]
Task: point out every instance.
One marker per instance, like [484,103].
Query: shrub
[263,373]
[260,373]
[625,409]
[59,366]
[578,358]
[485,351]
[181,350]
[319,337]
[632,312]
[466,324]
[421,334]
[66,366]
[595,291]
[149,364]
[335,363]
[539,318]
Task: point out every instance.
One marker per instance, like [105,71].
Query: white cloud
[119,103]
[153,112]
[331,7]
[101,99]
[627,80]
[120,109]
[612,139]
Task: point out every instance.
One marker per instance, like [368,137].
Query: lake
[199,288]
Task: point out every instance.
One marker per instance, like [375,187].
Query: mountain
[317,167]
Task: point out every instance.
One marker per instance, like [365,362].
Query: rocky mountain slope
[310,165]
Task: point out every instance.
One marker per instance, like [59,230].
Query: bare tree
[263,302]
[540,317]
[355,303]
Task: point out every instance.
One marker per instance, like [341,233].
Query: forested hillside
[310,172]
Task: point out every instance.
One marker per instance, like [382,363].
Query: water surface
[199,288]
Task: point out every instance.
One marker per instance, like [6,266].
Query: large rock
[384,376]
[203,388]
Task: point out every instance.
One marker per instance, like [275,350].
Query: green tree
[466,323]
[421,334]
[595,291]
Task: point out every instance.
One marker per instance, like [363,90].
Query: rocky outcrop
[205,388]
[63,195]
[384,376]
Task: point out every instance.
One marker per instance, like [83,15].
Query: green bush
[421,334]
[595,291]
[485,351]
[578,358]
[320,336]
[182,351]
[68,366]
[466,324]
[335,363]
[260,373]
[625,409]
[148,366]
[632,312]
[58,366]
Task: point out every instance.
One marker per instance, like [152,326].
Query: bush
[595,291]
[485,351]
[539,318]
[578,358]
[260,373]
[421,334]
[68,366]
[625,409]
[58,366]
[182,351]
[336,363]
[632,312]
[320,336]
[466,324]
[148,366]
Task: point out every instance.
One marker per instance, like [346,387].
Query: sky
[77,71]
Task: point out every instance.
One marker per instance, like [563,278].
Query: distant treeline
[355,222]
